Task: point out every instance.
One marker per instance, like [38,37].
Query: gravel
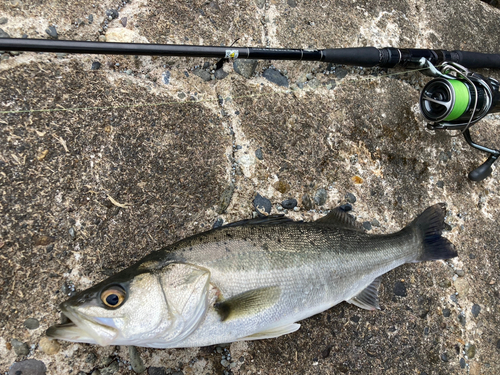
[113,13]
[400,289]
[49,346]
[20,348]
[246,68]
[446,313]
[220,74]
[136,360]
[274,76]
[470,350]
[258,154]
[476,309]
[262,204]
[203,74]
[95,65]
[52,32]
[307,202]
[28,367]
[367,225]
[320,197]
[351,198]
[31,323]
[3,20]
[289,203]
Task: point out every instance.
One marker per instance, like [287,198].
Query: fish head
[151,308]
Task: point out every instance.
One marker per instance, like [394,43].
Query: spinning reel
[456,100]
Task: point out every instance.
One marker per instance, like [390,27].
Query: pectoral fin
[368,298]
[248,303]
[272,333]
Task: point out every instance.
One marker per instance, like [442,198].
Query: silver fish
[249,280]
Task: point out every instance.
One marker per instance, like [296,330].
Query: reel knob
[484,170]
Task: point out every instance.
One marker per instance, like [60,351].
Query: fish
[249,280]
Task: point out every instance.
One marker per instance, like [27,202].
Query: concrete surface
[143,163]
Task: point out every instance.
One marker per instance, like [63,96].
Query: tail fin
[429,225]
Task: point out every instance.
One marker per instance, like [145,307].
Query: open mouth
[82,329]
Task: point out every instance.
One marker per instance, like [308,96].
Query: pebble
[346,207]
[203,74]
[262,204]
[274,76]
[3,34]
[72,233]
[462,363]
[3,20]
[157,371]
[440,184]
[28,367]
[444,357]
[400,289]
[307,202]
[52,32]
[111,369]
[31,323]
[258,154]
[454,298]
[470,350]
[136,360]
[351,198]
[375,223]
[476,309]
[95,65]
[124,21]
[21,348]
[289,203]
[367,225]
[91,18]
[460,273]
[224,363]
[218,223]
[461,319]
[221,74]
[245,67]
[340,73]
[113,13]
[320,197]
[102,38]
[446,313]
[49,346]
[165,77]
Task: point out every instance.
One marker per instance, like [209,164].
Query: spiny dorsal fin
[339,218]
[271,219]
[272,333]
[368,298]
[248,303]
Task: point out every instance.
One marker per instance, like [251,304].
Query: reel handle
[484,170]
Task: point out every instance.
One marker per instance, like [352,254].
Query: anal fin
[272,333]
[368,297]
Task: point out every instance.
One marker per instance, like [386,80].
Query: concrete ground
[152,153]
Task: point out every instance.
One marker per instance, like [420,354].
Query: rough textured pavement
[156,149]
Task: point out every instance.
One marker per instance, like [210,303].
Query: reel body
[456,100]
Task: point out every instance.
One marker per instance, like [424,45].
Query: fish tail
[429,226]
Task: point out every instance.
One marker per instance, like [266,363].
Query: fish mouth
[82,329]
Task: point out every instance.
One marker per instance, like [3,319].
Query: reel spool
[456,100]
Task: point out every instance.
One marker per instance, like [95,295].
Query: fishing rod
[455,99]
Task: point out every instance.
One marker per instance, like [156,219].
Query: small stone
[320,197]
[461,319]
[476,309]
[375,223]
[91,18]
[72,233]
[470,350]
[260,3]
[460,273]
[52,32]
[102,38]
[49,346]
[462,363]
[91,358]
[274,76]
[262,204]
[136,360]
[289,203]
[258,154]
[111,369]
[351,198]
[346,207]
[498,344]
[281,186]
[219,349]
[3,34]
[3,20]
[444,357]
[221,74]
[124,21]
[178,373]
[203,74]
[113,13]
[165,77]
[367,225]
[355,319]
[225,199]
[400,289]
[95,65]
[245,67]
[440,184]
[340,73]
[446,313]
[218,223]
[181,95]
[20,347]
[307,202]
[224,363]
[454,298]
[157,371]
[28,367]
[31,323]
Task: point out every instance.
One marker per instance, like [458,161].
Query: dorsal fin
[271,219]
[368,297]
[339,218]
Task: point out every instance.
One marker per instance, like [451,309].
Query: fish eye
[113,297]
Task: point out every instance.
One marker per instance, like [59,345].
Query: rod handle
[484,170]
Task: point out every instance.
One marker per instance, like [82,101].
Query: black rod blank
[359,56]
